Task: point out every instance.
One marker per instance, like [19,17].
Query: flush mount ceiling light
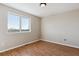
[43,4]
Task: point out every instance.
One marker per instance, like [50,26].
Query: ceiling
[50,9]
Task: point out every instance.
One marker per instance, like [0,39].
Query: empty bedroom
[39,29]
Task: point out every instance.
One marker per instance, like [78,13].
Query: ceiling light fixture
[43,4]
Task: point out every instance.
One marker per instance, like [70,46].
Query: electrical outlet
[65,39]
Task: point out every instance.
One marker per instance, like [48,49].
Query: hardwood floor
[42,48]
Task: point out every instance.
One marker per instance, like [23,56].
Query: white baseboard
[18,46]
[39,40]
[61,43]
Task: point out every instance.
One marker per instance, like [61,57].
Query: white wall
[62,26]
[10,40]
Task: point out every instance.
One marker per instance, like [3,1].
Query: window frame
[20,16]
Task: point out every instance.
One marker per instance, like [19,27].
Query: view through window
[18,23]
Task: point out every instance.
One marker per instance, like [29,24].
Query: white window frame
[14,13]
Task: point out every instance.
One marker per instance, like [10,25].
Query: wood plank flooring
[42,48]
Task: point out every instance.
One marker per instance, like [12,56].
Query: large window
[18,23]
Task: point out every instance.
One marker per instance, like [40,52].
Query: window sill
[23,32]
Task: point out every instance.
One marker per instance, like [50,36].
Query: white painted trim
[18,46]
[39,40]
[61,43]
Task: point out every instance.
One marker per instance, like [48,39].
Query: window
[18,23]
[24,21]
